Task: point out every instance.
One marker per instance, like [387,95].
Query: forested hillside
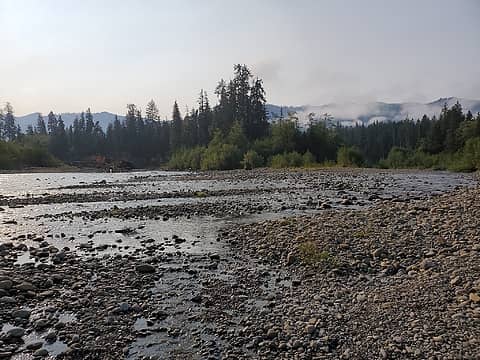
[235,133]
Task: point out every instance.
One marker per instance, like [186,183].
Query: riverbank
[358,264]
[46,170]
[397,281]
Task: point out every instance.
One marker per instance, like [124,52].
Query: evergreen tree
[130,128]
[204,119]
[58,140]
[151,112]
[89,124]
[30,130]
[9,127]
[176,132]
[241,97]
[2,125]
[223,112]
[258,114]
[41,128]
[51,123]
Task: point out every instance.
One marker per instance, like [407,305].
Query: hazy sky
[67,55]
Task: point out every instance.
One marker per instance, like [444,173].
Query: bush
[467,159]
[16,155]
[308,159]
[264,147]
[221,157]
[423,160]
[310,254]
[252,160]
[349,157]
[237,137]
[471,152]
[398,158]
[279,161]
[291,159]
[187,159]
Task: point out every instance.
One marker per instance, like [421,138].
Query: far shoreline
[86,170]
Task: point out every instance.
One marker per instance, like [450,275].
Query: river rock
[16,332]
[25,286]
[145,268]
[6,284]
[34,345]
[22,314]
[41,353]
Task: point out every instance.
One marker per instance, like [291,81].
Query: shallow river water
[71,219]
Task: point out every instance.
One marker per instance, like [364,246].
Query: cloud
[268,70]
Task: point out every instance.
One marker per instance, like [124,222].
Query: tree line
[235,133]
[451,140]
[144,139]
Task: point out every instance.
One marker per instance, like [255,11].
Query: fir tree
[9,127]
[204,119]
[151,112]
[176,132]
[51,123]
[41,128]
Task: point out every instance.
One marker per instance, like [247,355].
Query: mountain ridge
[347,113]
[353,113]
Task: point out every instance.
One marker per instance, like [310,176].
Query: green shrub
[264,147]
[421,159]
[349,157]
[221,157]
[237,137]
[252,160]
[310,254]
[279,161]
[471,152]
[294,159]
[187,159]
[285,160]
[398,158]
[467,159]
[308,159]
[16,155]
[328,163]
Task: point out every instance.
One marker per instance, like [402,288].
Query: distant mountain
[347,113]
[366,113]
[104,118]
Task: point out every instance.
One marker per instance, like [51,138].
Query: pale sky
[67,55]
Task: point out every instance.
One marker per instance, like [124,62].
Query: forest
[236,133]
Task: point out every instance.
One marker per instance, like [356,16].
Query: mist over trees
[235,133]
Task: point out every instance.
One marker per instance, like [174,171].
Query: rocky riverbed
[359,264]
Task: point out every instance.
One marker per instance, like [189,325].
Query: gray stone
[51,336]
[291,258]
[310,329]
[41,353]
[22,313]
[25,286]
[124,307]
[428,264]
[7,300]
[6,284]
[34,345]
[16,332]
[145,268]
[40,324]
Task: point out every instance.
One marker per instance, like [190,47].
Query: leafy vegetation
[446,142]
[310,254]
[349,157]
[28,152]
[235,133]
[252,160]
